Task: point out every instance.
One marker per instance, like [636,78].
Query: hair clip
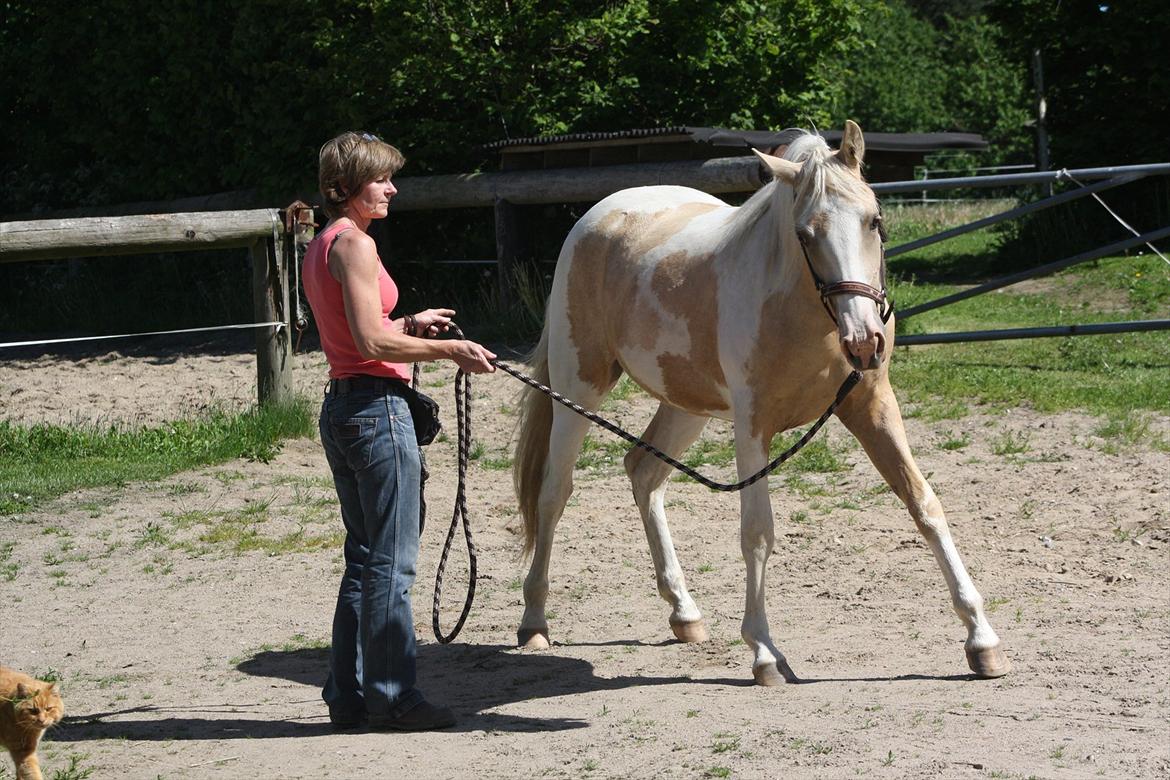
[368,137]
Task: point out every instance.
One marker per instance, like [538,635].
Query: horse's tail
[532,446]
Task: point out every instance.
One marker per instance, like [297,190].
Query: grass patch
[40,462]
[1121,432]
[240,531]
[1105,375]
[600,453]
[815,458]
[73,770]
[8,569]
[624,390]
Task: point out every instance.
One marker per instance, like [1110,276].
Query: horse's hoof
[988,663]
[532,638]
[690,631]
[774,674]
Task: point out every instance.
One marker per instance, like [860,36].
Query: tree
[913,76]
[1106,81]
[110,101]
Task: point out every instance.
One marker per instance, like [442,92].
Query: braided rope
[463,424]
[728,487]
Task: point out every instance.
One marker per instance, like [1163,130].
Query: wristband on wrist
[411,325]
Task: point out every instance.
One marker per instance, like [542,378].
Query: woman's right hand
[472,358]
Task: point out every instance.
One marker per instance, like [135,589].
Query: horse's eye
[880,226]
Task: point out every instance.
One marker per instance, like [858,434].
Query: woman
[369,439]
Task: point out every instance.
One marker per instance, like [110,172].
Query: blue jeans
[370,445]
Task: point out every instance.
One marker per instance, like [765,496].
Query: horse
[722,311]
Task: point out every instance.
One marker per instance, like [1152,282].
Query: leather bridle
[846,287]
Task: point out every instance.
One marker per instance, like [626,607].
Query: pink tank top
[324,294]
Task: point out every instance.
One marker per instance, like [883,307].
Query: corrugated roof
[759,139]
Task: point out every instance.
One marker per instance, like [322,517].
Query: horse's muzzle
[865,354]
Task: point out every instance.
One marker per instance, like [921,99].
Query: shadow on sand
[474,679]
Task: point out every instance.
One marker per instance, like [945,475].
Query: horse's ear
[852,146]
[784,170]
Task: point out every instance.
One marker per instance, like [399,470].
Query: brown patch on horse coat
[687,287]
[604,306]
[790,380]
[587,304]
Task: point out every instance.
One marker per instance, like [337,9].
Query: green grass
[1104,375]
[42,461]
[74,770]
[234,531]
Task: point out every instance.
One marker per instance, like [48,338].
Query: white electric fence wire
[277,325]
[1064,172]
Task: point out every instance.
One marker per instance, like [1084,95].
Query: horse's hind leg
[671,431]
[876,421]
[567,433]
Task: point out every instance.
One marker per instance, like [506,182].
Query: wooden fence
[259,230]
[273,253]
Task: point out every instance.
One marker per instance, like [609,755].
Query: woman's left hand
[432,322]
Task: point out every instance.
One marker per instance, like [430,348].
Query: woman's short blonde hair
[351,161]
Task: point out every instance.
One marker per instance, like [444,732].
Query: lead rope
[727,487]
[463,423]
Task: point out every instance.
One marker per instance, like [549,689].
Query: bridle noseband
[846,287]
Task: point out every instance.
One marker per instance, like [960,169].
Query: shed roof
[741,139]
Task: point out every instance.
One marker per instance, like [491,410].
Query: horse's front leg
[756,537]
[874,418]
[671,431]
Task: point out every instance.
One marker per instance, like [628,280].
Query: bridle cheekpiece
[846,287]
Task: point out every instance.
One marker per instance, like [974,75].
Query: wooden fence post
[507,248]
[270,296]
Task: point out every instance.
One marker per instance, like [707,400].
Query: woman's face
[373,200]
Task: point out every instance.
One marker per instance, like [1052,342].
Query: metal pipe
[1041,270]
[1036,177]
[1031,333]
[1049,202]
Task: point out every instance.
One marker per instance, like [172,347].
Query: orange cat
[27,707]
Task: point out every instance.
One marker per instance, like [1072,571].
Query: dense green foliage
[1106,86]
[1105,75]
[110,101]
[913,76]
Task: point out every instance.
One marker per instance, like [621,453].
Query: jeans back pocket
[354,436]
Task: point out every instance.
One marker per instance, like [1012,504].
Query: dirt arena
[189,618]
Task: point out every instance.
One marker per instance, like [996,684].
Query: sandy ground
[184,657]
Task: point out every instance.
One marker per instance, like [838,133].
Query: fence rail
[273,252]
[259,230]
[53,239]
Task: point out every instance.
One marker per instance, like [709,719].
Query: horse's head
[838,226]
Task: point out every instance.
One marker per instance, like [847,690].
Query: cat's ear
[22,691]
[54,689]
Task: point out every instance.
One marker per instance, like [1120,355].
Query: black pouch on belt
[424,411]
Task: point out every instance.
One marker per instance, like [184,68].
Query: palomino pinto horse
[719,311]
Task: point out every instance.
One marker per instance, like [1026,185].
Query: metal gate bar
[1049,202]
[1009,179]
[1031,333]
[1041,270]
